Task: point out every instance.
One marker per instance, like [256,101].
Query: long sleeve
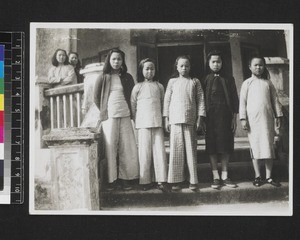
[128,84]
[276,105]
[51,76]
[167,98]
[133,100]
[243,101]
[97,90]
[200,99]
[70,78]
[162,96]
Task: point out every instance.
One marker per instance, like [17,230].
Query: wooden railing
[65,105]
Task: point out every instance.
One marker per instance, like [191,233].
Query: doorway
[167,55]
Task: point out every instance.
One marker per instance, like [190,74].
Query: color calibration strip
[1,117]
[12,102]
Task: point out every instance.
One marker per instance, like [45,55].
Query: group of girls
[187,106]
[65,69]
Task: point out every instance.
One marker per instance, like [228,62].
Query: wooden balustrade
[65,105]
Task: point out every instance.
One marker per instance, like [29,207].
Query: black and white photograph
[161,119]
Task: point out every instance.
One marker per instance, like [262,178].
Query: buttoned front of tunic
[117,105]
[146,102]
[184,101]
[259,105]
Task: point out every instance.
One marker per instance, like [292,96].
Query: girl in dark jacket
[222,106]
[112,97]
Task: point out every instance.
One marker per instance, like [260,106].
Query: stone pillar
[287,42]
[89,109]
[75,155]
[73,40]
[279,74]
[278,68]
[237,71]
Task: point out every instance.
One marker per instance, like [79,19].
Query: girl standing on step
[147,103]
[222,102]
[112,96]
[259,106]
[183,111]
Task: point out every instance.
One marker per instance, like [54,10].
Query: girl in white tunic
[184,110]
[61,73]
[146,103]
[112,97]
[259,106]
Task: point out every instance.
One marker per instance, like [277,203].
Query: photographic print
[161,119]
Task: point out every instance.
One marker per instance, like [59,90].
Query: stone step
[244,193]
[240,163]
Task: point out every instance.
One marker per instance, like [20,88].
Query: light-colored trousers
[182,143]
[152,155]
[120,141]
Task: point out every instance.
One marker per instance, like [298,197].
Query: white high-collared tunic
[259,105]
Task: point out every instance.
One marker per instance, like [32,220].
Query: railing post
[42,112]
[65,110]
[71,110]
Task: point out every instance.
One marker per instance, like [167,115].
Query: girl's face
[183,67]
[61,57]
[116,61]
[148,70]
[73,59]
[215,63]
[257,66]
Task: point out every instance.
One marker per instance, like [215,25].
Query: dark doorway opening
[168,54]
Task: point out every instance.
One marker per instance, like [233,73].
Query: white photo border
[201,26]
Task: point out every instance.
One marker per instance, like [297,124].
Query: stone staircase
[240,170]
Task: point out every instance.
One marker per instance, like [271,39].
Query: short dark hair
[265,74]
[107,67]
[175,72]
[208,57]
[54,60]
[78,65]
[140,69]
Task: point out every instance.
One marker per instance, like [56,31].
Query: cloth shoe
[227,182]
[111,186]
[176,187]
[125,185]
[163,187]
[193,187]
[146,187]
[216,184]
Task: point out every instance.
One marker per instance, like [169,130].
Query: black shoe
[163,187]
[216,184]
[111,186]
[125,185]
[146,187]
[176,187]
[227,182]
[272,182]
[257,182]
[193,187]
